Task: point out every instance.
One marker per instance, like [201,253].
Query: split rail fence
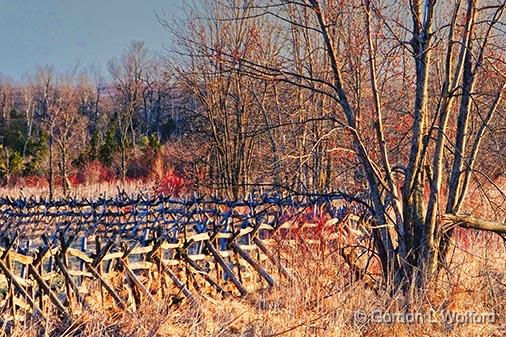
[71,255]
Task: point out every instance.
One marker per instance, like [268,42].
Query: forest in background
[215,123]
[145,117]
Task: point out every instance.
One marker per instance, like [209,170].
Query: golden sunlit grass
[92,190]
[319,301]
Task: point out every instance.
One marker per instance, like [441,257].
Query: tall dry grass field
[322,300]
[90,191]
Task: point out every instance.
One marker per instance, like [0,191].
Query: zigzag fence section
[71,255]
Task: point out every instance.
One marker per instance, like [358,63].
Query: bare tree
[57,105]
[69,128]
[222,97]
[46,96]
[377,63]
[129,74]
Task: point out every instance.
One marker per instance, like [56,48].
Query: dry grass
[320,301]
[90,191]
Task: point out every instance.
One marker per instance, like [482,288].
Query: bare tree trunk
[63,169]
[123,168]
[382,236]
[396,202]
[51,174]
[414,181]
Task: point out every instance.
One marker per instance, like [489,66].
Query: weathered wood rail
[66,256]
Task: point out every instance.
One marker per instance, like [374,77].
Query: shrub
[171,184]
[95,172]
[35,182]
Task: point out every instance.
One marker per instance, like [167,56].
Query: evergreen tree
[109,147]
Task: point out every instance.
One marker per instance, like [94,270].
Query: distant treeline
[244,99]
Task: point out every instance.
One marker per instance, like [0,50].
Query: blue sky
[64,33]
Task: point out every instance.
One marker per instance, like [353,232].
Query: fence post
[84,249]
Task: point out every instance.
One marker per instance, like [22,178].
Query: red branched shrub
[94,172]
[75,179]
[171,183]
[35,182]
